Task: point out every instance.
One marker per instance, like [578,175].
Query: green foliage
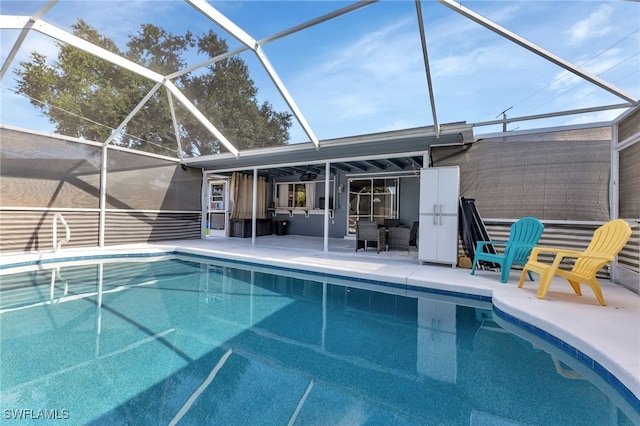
[86,96]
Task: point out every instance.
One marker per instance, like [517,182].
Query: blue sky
[364,72]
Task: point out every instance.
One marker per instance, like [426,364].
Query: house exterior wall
[313,225]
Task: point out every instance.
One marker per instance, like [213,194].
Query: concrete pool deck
[609,335]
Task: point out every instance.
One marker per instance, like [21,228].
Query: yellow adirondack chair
[607,241]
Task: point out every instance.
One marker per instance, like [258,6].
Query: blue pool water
[186,341]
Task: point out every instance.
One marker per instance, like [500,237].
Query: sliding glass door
[372,199]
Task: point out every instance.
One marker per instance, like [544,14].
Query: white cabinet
[439,199]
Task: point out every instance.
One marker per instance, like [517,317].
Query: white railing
[58,243]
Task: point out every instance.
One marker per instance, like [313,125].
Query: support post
[327,175]
[254,211]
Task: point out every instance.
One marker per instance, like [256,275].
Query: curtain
[310,194]
[241,196]
[283,195]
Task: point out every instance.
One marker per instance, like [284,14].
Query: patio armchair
[523,236]
[607,241]
[390,223]
[369,234]
[402,237]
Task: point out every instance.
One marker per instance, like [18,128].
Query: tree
[87,97]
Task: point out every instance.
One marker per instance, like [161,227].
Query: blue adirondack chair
[524,235]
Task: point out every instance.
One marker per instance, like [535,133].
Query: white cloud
[597,24]
[365,77]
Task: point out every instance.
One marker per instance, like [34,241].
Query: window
[372,199]
[295,195]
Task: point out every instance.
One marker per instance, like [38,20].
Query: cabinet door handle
[440,213]
[435,214]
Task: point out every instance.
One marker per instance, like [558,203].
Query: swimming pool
[196,341]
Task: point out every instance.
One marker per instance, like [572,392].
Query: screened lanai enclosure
[153,121]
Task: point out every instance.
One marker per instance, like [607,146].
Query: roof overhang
[388,151]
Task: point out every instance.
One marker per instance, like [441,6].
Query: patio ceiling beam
[376,164]
[25,23]
[415,162]
[306,169]
[468,13]
[425,56]
[341,166]
[358,166]
[215,16]
[278,171]
[399,164]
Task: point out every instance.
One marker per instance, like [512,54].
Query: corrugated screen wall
[148,199]
[558,176]
[561,175]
